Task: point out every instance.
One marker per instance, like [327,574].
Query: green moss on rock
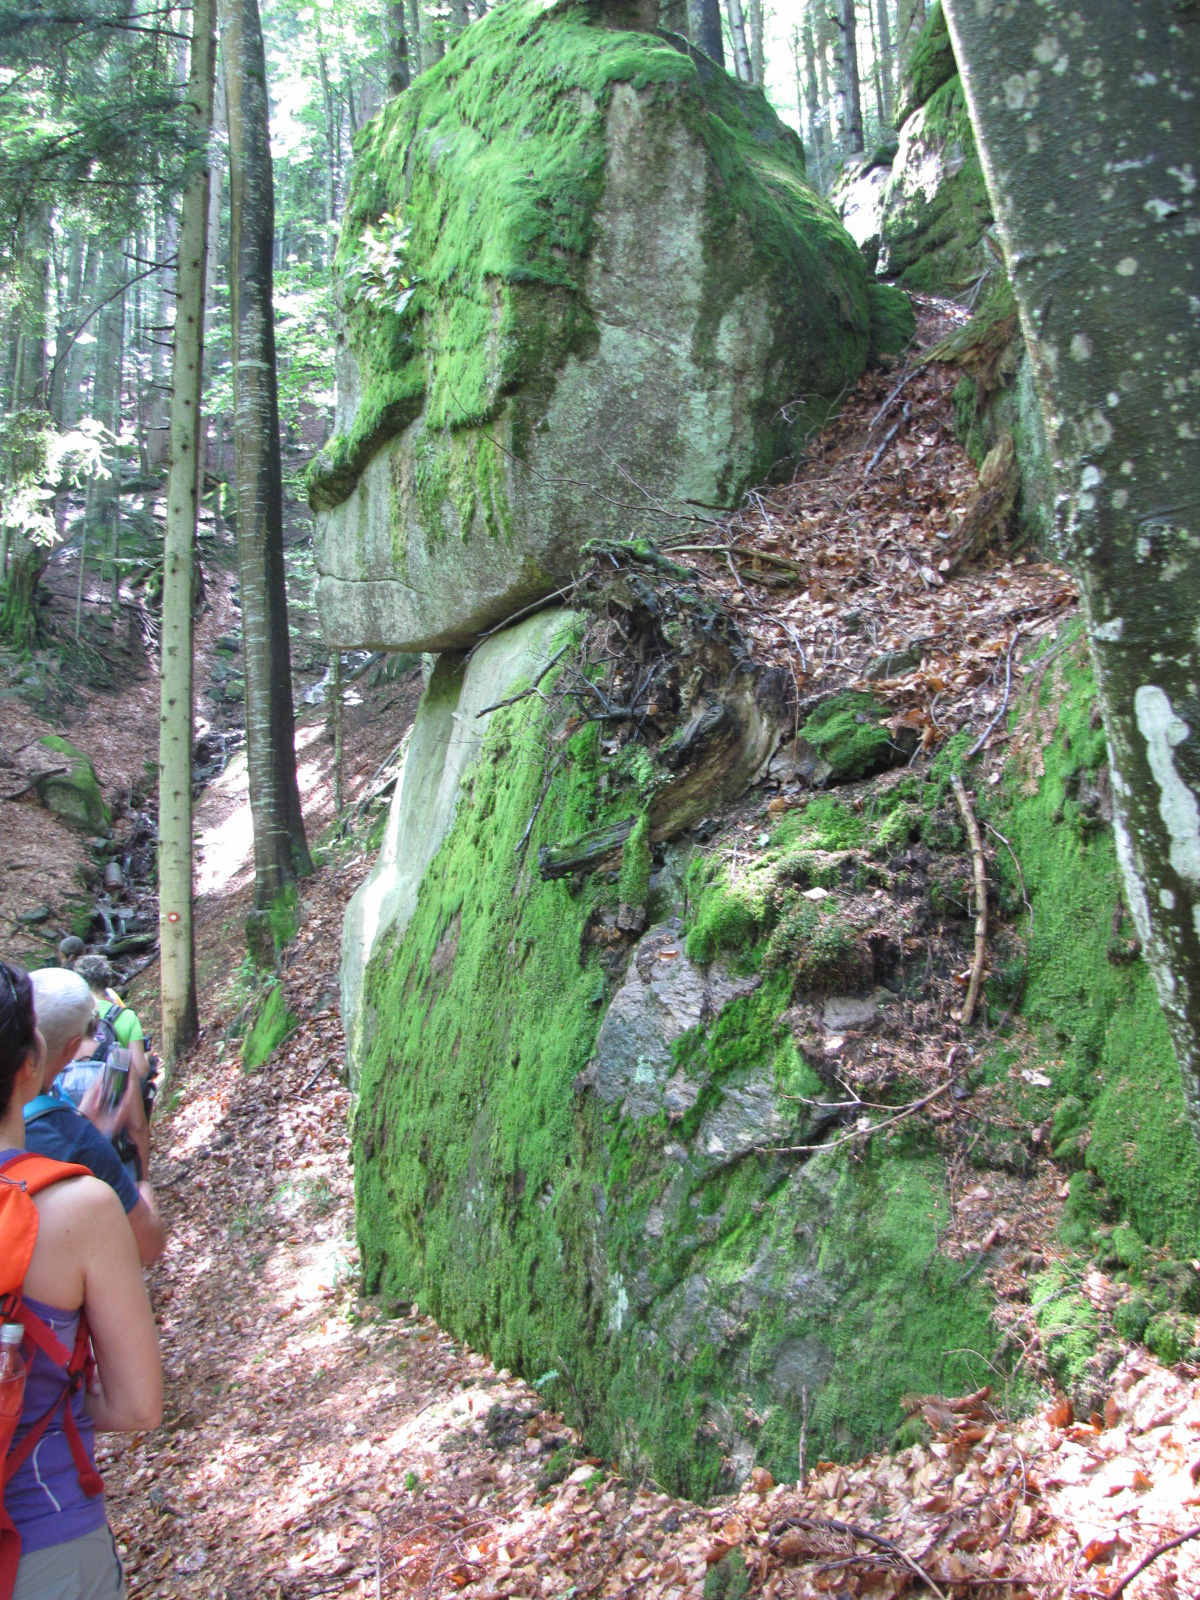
[271,1026]
[850,738]
[893,321]
[931,64]
[74,794]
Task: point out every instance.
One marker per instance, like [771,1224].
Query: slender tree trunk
[67,318]
[811,93]
[737,29]
[177,960]
[76,366]
[459,17]
[280,850]
[828,44]
[1105,282]
[847,23]
[886,63]
[416,42]
[433,44]
[396,46]
[757,55]
[704,28]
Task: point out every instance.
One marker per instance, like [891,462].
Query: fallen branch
[1153,1555]
[497,705]
[887,439]
[987,732]
[976,838]
[856,1133]
[541,799]
[894,396]
[741,550]
[50,772]
[831,1524]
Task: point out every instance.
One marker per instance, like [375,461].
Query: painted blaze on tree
[586,283]
[1088,121]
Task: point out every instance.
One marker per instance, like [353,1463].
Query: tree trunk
[459,17]
[1105,284]
[811,94]
[396,43]
[757,55]
[885,62]
[704,26]
[177,961]
[737,29]
[416,56]
[847,23]
[67,318]
[433,43]
[280,851]
[910,19]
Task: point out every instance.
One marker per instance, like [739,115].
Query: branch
[1159,1550]
[533,687]
[856,1133]
[128,284]
[741,550]
[50,772]
[822,1524]
[976,838]
[987,732]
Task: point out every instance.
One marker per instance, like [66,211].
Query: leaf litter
[318,1444]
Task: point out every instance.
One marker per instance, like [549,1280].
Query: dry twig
[821,1523]
[1152,1555]
[976,838]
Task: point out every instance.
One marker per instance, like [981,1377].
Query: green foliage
[1067,1322]
[849,735]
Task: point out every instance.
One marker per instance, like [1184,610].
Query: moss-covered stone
[850,739]
[74,794]
[931,65]
[936,207]
[570,255]
[893,321]
[271,1026]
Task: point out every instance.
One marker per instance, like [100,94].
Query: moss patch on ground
[271,1026]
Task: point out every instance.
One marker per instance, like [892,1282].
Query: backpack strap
[40,1106]
[29,1174]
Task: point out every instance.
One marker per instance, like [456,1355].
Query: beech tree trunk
[757,48]
[737,30]
[885,64]
[704,26]
[847,23]
[811,93]
[396,42]
[1103,118]
[177,961]
[280,850]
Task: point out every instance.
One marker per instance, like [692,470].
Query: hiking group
[78,1221]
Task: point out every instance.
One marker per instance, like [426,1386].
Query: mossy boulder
[936,207]
[583,276]
[893,321]
[857,197]
[74,795]
[931,65]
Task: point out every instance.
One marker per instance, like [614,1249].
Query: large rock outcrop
[587,287]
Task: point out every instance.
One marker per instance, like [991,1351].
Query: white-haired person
[54,1127]
[83,1284]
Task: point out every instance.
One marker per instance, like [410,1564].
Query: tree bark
[433,43]
[757,47]
[177,961]
[396,43]
[847,23]
[280,850]
[1103,119]
[459,17]
[704,26]
[885,63]
[809,94]
[737,30]
[67,317]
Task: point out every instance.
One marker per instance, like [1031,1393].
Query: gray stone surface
[842,1012]
[664,995]
[446,738]
[677,400]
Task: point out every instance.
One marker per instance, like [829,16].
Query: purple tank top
[44,1498]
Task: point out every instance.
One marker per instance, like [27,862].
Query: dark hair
[18,1025]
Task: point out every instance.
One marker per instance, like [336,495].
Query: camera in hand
[114,1079]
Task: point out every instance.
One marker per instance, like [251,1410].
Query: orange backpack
[21,1177]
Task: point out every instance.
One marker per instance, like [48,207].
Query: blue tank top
[44,1498]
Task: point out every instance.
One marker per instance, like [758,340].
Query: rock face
[446,740]
[586,284]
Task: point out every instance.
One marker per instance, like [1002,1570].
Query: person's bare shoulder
[77,1202]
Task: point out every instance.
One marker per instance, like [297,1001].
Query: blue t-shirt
[64,1134]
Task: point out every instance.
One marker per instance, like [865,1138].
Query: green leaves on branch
[39,462]
[374,274]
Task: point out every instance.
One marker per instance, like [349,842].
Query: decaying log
[585,854]
[986,517]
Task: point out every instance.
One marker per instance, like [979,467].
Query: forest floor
[319,1444]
